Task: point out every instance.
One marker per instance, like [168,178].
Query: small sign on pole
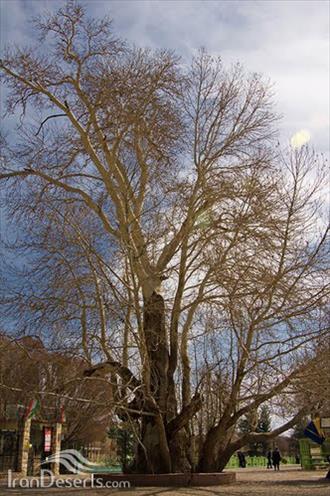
[325,423]
[47,439]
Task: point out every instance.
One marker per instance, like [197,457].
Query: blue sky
[287,40]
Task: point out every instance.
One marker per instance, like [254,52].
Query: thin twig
[47,118]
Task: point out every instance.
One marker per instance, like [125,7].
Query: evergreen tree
[261,423]
[264,425]
[124,437]
[264,421]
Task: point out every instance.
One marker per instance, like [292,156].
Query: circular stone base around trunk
[171,480]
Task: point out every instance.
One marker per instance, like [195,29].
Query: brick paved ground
[250,482]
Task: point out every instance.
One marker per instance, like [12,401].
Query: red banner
[47,439]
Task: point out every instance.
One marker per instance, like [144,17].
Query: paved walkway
[290,481]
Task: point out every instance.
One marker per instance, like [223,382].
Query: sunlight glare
[300,138]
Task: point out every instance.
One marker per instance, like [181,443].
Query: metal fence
[258,461]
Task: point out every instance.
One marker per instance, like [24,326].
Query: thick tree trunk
[208,455]
[215,457]
[161,454]
[217,448]
[153,455]
[224,457]
[164,442]
[155,335]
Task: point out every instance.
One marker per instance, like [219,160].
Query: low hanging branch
[110,404]
[265,436]
[103,368]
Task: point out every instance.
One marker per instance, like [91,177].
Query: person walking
[276,457]
[269,459]
[241,459]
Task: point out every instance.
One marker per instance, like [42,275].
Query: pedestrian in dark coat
[269,459]
[276,457]
[241,459]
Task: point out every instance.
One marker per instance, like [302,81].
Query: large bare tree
[169,233]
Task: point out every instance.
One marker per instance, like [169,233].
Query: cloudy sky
[287,40]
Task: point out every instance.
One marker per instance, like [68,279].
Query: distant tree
[248,423]
[126,442]
[264,425]
[264,421]
[259,422]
